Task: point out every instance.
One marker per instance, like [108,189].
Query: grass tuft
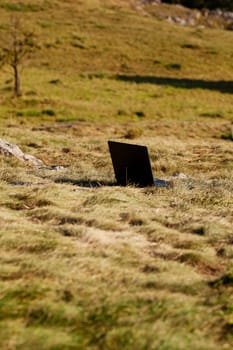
[133,133]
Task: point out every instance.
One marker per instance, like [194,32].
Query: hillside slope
[83,40]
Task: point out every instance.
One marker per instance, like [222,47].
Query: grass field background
[86,264]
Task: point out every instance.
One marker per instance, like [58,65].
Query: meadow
[86,264]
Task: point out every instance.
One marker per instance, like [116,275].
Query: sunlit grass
[86,264]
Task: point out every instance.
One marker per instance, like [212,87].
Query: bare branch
[16,45]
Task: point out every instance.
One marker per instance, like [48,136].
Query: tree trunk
[17,89]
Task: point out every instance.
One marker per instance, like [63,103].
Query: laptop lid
[131,164]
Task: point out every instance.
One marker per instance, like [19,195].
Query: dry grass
[86,264]
[106,265]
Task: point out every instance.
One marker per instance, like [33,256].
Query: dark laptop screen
[131,164]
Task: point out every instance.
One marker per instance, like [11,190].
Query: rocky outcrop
[206,18]
[10,149]
[184,16]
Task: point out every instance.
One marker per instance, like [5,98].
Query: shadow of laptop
[131,164]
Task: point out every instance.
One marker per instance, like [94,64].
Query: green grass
[14,7]
[85,264]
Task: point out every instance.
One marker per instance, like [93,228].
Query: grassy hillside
[86,264]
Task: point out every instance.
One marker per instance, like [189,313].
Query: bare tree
[16,45]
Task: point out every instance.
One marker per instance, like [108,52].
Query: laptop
[131,164]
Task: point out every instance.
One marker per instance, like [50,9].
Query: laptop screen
[131,164]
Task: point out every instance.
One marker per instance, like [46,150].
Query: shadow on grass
[185,83]
[85,183]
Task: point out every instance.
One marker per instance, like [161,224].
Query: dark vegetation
[222,86]
[200,4]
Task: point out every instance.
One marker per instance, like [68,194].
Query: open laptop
[131,164]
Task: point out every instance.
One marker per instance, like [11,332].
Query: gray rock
[10,149]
